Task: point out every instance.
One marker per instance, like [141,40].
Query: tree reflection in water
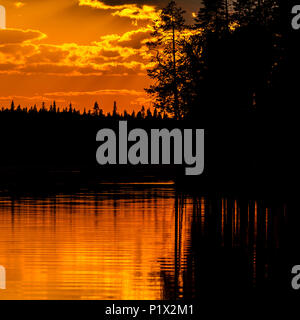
[226,245]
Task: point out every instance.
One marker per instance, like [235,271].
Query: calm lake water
[136,241]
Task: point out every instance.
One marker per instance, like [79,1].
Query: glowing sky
[77,51]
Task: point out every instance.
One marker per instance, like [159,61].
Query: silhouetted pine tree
[149,114]
[167,73]
[12,106]
[96,108]
[213,17]
[115,110]
[245,12]
[54,107]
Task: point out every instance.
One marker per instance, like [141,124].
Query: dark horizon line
[94,112]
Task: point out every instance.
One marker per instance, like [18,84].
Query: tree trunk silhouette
[176,100]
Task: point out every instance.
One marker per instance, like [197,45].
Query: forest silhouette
[54,112]
[231,72]
[229,61]
[228,72]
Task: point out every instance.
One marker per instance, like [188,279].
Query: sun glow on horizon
[43,57]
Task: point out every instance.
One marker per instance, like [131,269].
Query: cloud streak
[131,11]
[112,54]
[40,61]
[104,92]
[9,36]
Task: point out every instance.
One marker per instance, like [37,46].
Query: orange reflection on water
[89,246]
[135,241]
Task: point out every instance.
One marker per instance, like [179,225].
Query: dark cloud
[138,2]
[7,67]
[134,40]
[190,5]
[48,54]
[10,36]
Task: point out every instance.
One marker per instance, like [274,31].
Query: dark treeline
[228,73]
[55,112]
[231,60]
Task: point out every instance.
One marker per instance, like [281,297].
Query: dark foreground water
[138,241]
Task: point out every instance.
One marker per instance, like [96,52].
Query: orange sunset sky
[78,51]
